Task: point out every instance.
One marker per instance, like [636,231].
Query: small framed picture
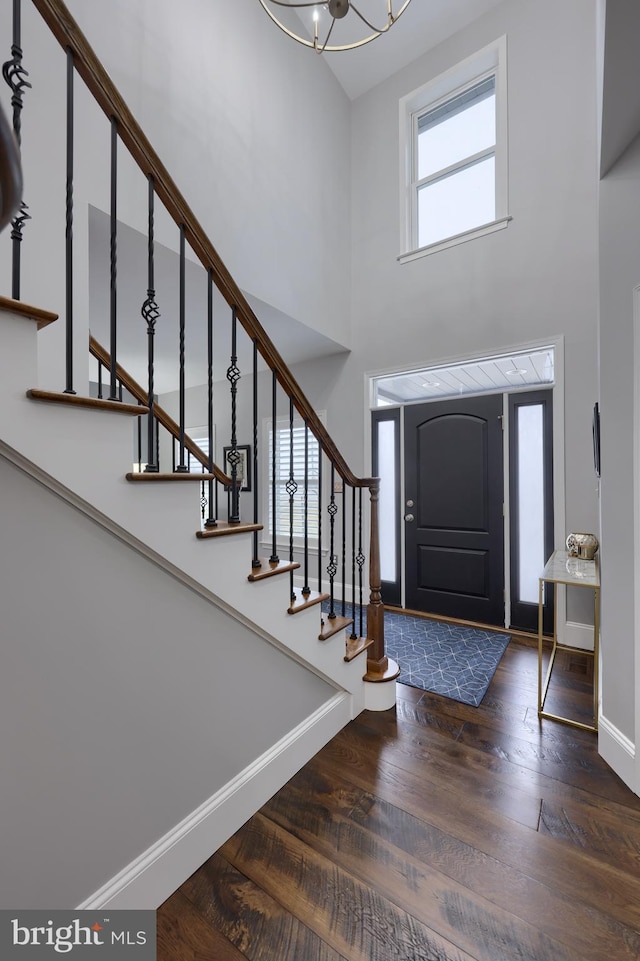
[244,465]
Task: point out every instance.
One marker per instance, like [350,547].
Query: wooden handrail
[141,395]
[10,172]
[87,65]
[70,37]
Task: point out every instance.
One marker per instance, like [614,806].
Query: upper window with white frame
[454,153]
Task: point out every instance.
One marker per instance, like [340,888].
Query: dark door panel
[454,531]
[453,570]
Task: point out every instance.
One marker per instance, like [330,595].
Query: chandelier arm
[326,39]
[376,30]
[284,3]
[314,44]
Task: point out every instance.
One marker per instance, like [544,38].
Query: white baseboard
[578,635]
[618,751]
[159,871]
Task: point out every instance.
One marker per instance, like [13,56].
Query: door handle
[409,517]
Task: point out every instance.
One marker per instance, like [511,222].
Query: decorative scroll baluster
[211,519]
[15,75]
[353,563]
[332,567]
[113,316]
[204,500]
[150,314]
[182,467]
[233,457]
[274,559]
[306,590]
[255,562]
[291,489]
[69,230]
[360,558]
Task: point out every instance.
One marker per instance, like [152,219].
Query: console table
[561,568]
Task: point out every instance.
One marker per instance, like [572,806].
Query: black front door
[454,542]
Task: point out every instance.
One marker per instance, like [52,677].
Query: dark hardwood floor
[432,832]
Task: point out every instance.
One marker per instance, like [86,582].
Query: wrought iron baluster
[204,500]
[113,301]
[69,230]
[354,635]
[332,567]
[306,590]
[182,467]
[292,489]
[158,443]
[274,559]
[344,547]
[99,380]
[15,75]
[150,314]
[255,562]
[139,429]
[360,558]
[211,518]
[319,519]
[233,457]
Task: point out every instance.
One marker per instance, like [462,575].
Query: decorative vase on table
[582,545]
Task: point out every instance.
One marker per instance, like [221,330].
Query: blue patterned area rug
[449,659]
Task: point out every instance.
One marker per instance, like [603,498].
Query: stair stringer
[85,455]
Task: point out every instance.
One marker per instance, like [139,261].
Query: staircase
[187,526]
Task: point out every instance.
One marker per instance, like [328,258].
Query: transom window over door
[453,134]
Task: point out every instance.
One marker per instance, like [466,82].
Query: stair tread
[224,527]
[356,646]
[269,569]
[42,317]
[303,601]
[93,403]
[333,625]
[151,476]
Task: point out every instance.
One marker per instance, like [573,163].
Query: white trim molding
[618,751]
[462,238]
[491,60]
[149,880]
[578,635]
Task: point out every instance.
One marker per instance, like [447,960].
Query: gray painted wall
[126,700]
[537,278]
[250,127]
[619,274]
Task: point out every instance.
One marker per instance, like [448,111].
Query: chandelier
[343,23]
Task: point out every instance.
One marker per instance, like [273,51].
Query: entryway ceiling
[423,25]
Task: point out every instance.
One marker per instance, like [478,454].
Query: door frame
[558,393]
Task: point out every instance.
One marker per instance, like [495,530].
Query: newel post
[379,666]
